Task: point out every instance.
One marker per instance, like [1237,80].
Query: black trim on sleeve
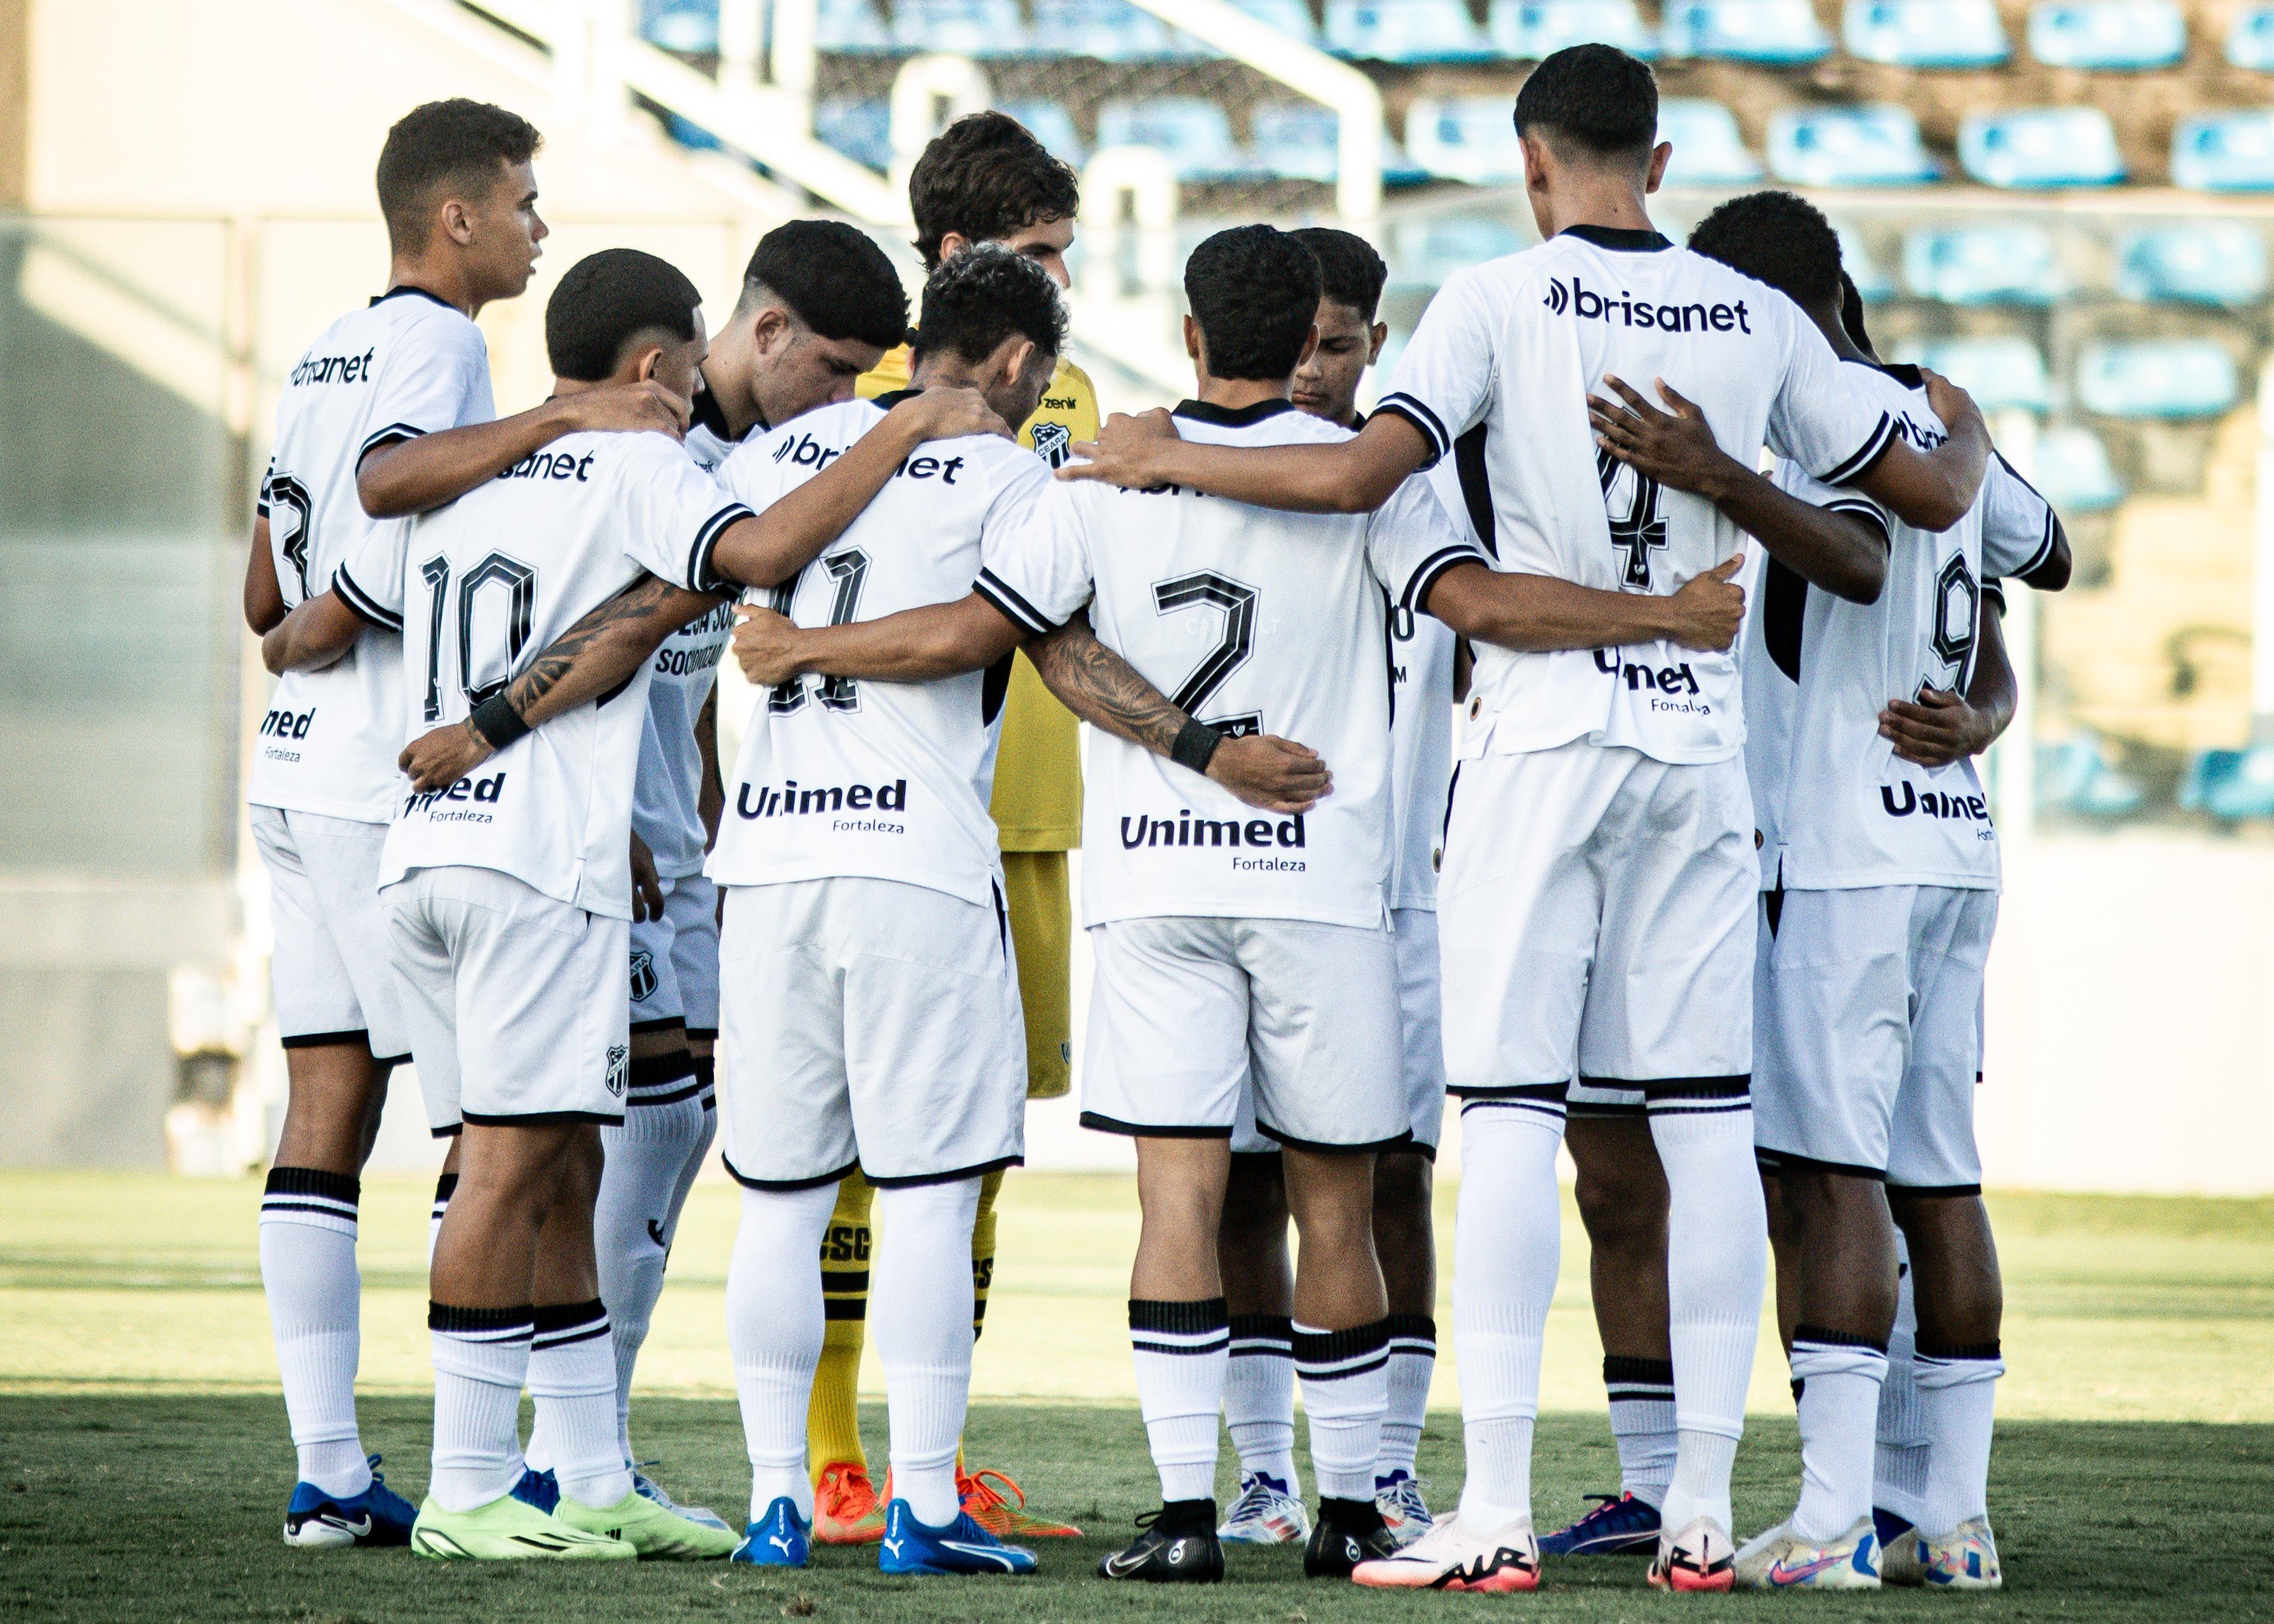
[1866,457]
[1934,1193]
[699,573]
[388,436]
[1868,511]
[1432,427]
[1418,586]
[1012,605]
[361,603]
[360,1037]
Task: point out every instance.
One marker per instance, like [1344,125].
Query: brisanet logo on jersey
[1623,308]
[1147,833]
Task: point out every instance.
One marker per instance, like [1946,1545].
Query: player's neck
[1828,322]
[1610,199]
[1232,394]
[727,379]
[441,276]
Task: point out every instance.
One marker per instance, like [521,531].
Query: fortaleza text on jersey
[1185,830]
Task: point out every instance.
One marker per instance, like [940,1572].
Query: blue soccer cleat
[959,1547]
[538,1489]
[315,1520]
[1619,1525]
[781,1538]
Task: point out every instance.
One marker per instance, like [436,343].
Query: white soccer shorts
[333,979]
[1596,909]
[515,1000]
[675,961]
[1187,1014]
[872,1024]
[1870,1011]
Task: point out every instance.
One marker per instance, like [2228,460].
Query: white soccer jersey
[882,780]
[1253,622]
[482,587]
[1508,353]
[406,364]
[1422,732]
[1836,808]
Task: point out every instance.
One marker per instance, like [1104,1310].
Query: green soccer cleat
[657,1532]
[509,1530]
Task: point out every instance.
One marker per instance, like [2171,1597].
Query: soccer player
[1879,880]
[390,403]
[1597,894]
[1259,1395]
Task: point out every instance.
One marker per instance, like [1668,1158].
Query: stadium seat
[2000,373]
[2213,262]
[2231,785]
[1527,30]
[1424,252]
[2224,152]
[850,27]
[1108,30]
[859,129]
[2040,146]
[1297,141]
[2170,378]
[1415,31]
[1708,149]
[960,27]
[1984,265]
[1192,132]
[1465,137]
[2077,778]
[1053,127]
[1769,31]
[1873,146]
[1925,34]
[2107,34]
[689,27]
[2072,470]
[1290,17]
[1872,282]
[2250,38]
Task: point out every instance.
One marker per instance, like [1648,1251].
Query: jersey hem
[813,1183]
[1875,882]
[984,897]
[1098,1124]
[346,811]
[1177,907]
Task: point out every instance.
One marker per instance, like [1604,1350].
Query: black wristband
[1195,746]
[497,721]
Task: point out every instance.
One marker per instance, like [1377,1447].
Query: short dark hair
[1350,272]
[608,299]
[978,300]
[982,177]
[1254,292]
[1595,97]
[834,278]
[440,146]
[1778,238]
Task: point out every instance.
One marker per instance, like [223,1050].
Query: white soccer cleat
[1448,1557]
[1404,1513]
[1781,1560]
[1965,1558]
[1701,1557]
[1265,1514]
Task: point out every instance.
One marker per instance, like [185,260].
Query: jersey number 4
[517,580]
[1238,602]
[850,570]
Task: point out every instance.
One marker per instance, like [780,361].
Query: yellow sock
[832,1417]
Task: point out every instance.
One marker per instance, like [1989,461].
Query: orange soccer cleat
[846,1509]
[1005,1518]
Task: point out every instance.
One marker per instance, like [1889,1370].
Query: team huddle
[1703,888]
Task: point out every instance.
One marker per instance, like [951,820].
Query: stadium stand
[1404,31]
[2219,263]
[1465,137]
[1984,265]
[677,26]
[1291,18]
[1781,31]
[850,27]
[2073,471]
[2224,151]
[1054,127]
[1108,30]
[1295,140]
[1527,30]
[2107,34]
[1708,151]
[2250,38]
[2002,374]
[2156,378]
[1925,34]
[2076,777]
[1849,146]
[1863,267]
[2041,146]
[859,128]
[1191,132]
[961,27]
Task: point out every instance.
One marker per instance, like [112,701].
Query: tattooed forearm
[1100,687]
[603,648]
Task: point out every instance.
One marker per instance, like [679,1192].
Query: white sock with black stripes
[1413,1362]
[1716,1267]
[572,1377]
[1344,1376]
[1641,1393]
[1181,1349]
[315,1294]
[774,1328]
[1259,1397]
[1958,1393]
[1838,1376]
[481,1358]
[1507,1247]
[1899,1462]
[919,1302]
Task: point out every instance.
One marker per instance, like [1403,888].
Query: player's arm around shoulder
[1542,613]
[1357,475]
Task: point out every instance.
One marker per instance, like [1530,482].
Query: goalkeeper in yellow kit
[984,179]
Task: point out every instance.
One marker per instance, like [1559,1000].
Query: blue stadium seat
[2077,778]
[2231,785]
[2040,146]
[1925,34]
[2156,378]
[1527,30]
[861,130]
[1297,141]
[1708,149]
[1770,31]
[1290,17]
[1191,132]
[1108,30]
[688,26]
[1404,31]
[961,27]
[850,27]
[1466,137]
[2224,152]
[2107,34]
[1872,282]
[1424,252]
[1874,145]
[1053,127]
[2212,262]
[2071,470]
[1984,265]
[2000,373]
[2250,38]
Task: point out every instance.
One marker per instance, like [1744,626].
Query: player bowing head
[1350,278]
[989,323]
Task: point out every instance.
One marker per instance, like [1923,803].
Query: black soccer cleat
[1348,1533]
[1175,1544]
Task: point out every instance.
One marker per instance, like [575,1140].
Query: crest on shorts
[1053,443]
[642,976]
[620,1068]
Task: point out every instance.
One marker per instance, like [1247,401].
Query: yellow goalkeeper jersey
[1038,768]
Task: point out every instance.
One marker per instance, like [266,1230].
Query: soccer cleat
[1782,1561]
[1177,1546]
[959,1547]
[1342,1540]
[1701,1557]
[1965,1558]
[846,1509]
[505,1530]
[540,1489]
[1448,1557]
[1265,1514]
[1619,1525]
[1404,1513]
[648,1488]
[1005,1518]
[315,1520]
[1900,1546]
[781,1538]
[655,1532]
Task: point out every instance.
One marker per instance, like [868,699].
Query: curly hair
[982,179]
[981,298]
[1778,238]
[439,146]
[1595,97]
[1349,271]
